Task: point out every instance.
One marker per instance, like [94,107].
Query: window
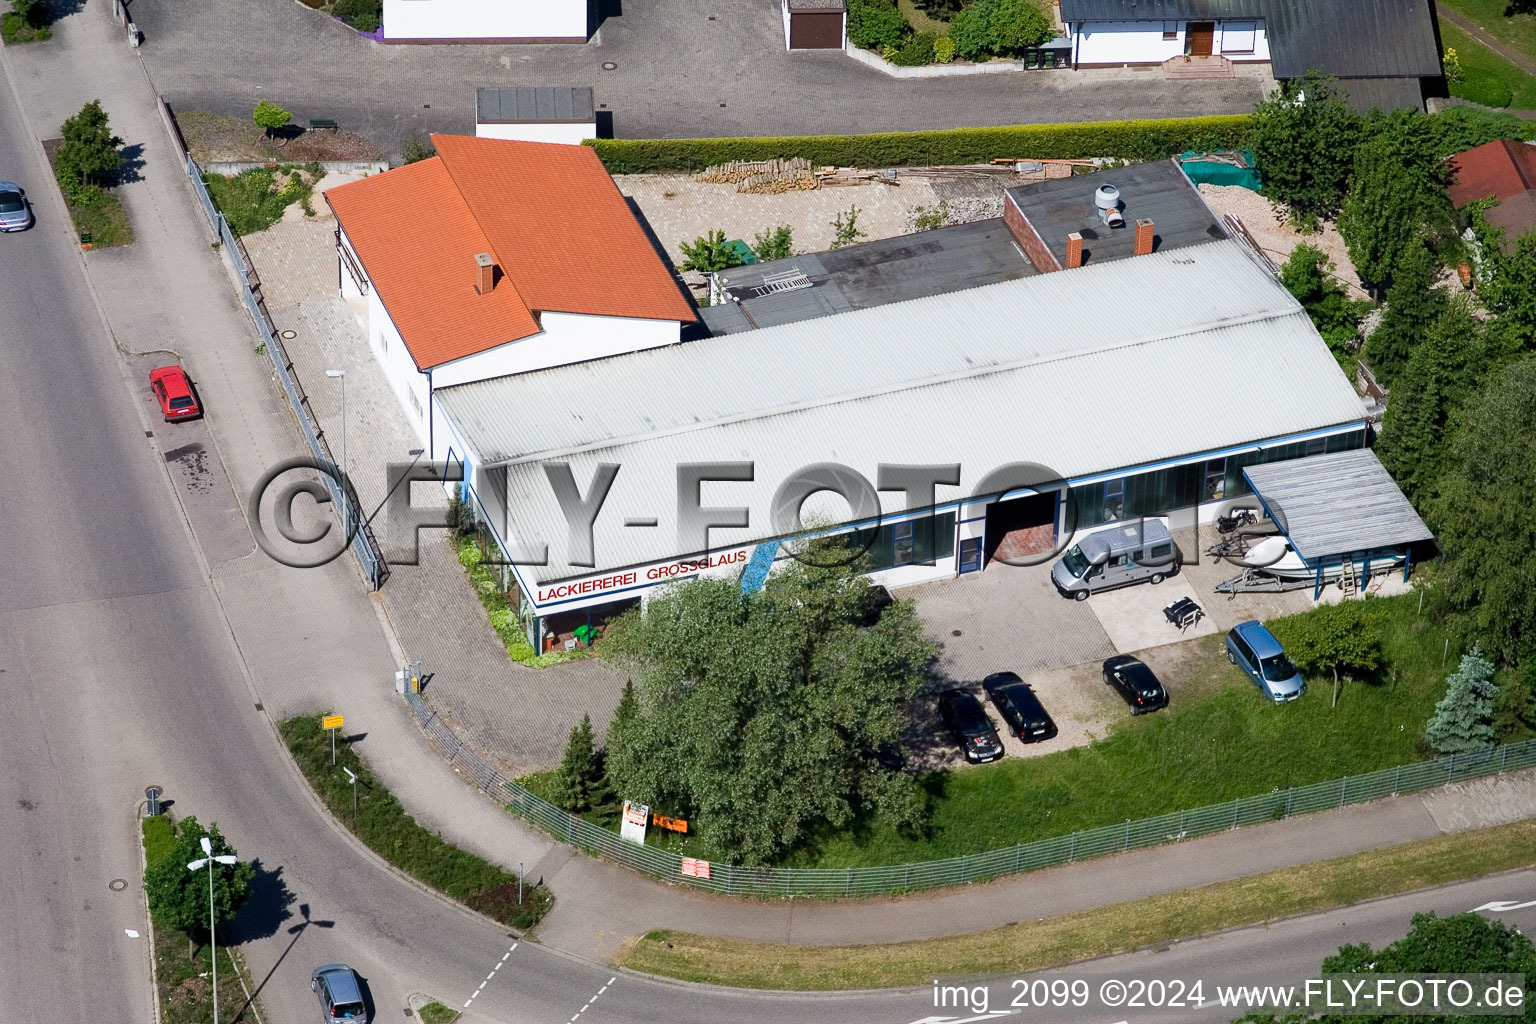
[1215,479]
[415,402]
[909,543]
[1114,499]
[901,544]
[1170,30]
[1316,446]
[1237,36]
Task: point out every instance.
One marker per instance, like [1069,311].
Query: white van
[1136,552]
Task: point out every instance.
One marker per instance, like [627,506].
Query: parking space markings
[488,977]
[594,999]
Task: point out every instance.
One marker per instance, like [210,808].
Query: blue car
[1255,650]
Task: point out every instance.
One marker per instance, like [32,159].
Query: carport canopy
[1333,505]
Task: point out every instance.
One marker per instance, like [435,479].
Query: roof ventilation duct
[1107,199]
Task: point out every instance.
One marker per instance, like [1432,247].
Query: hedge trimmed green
[1131,140]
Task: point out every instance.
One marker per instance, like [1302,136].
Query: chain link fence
[978,867]
[364,544]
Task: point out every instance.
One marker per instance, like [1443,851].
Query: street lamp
[213,944]
[346,502]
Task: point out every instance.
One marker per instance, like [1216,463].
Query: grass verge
[16,29]
[382,824]
[437,1013]
[1090,933]
[95,212]
[503,617]
[1488,78]
[184,989]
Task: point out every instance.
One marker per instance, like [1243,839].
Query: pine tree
[1439,375]
[1396,196]
[1413,306]
[580,774]
[1463,720]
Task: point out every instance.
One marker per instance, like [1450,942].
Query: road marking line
[488,977]
[594,999]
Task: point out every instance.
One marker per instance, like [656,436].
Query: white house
[493,258]
[478,21]
[1111,33]
[542,114]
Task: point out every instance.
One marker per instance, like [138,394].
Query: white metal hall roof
[1085,371]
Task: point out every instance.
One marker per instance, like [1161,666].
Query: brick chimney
[1143,238]
[485,273]
[1074,250]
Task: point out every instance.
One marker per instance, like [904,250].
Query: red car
[174,391]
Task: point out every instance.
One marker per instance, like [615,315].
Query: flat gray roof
[1159,191]
[947,259]
[545,103]
[1338,504]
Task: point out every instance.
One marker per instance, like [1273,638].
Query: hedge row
[1131,140]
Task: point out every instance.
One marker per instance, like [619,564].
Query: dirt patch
[214,137]
[1266,221]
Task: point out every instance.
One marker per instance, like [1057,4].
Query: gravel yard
[1268,226]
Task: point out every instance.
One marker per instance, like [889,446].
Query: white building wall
[566,338]
[1142,42]
[477,19]
[1237,34]
[409,384]
[570,133]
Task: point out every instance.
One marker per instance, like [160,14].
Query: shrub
[876,24]
[927,218]
[1450,63]
[362,15]
[942,146]
[1482,86]
[845,228]
[943,49]
[269,116]
[708,253]
[776,243]
[417,148]
[916,51]
[989,28]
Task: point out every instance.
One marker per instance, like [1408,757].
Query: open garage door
[1021,526]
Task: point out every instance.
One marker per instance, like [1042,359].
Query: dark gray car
[341,995]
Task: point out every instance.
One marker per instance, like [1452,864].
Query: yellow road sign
[331,722]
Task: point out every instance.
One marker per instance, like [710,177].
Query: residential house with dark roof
[497,257]
[1505,170]
[1380,50]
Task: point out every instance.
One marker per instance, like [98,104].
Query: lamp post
[346,501]
[213,944]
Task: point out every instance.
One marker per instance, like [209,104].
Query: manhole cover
[118,884]
[609,65]
[289,335]
[954,632]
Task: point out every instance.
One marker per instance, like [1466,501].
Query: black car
[1021,709]
[1135,683]
[968,720]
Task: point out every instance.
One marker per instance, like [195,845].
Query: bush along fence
[1131,140]
[364,544]
[979,867]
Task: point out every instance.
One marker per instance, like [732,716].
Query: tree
[757,715]
[1333,638]
[876,24]
[580,774]
[1397,199]
[1413,307]
[89,150]
[1439,376]
[178,897]
[990,28]
[1483,515]
[1336,316]
[776,243]
[845,228]
[269,117]
[708,253]
[1463,720]
[1514,706]
[417,148]
[1507,283]
[1304,140]
[1459,944]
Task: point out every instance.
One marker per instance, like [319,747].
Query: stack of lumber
[762,176]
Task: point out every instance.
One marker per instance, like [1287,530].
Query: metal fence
[978,867]
[364,544]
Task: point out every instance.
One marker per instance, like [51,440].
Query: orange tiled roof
[549,214]
[1502,168]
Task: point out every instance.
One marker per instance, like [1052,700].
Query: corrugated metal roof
[1085,371]
[1159,10]
[1352,38]
[512,105]
[1339,504]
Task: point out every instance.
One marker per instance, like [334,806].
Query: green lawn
[1486,72]
[919,19]
[1518,31]
[1228,744]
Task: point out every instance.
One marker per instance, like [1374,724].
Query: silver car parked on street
[15,211]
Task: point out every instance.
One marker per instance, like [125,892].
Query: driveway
[683,68]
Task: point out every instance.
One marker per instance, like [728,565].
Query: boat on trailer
[1273,565]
